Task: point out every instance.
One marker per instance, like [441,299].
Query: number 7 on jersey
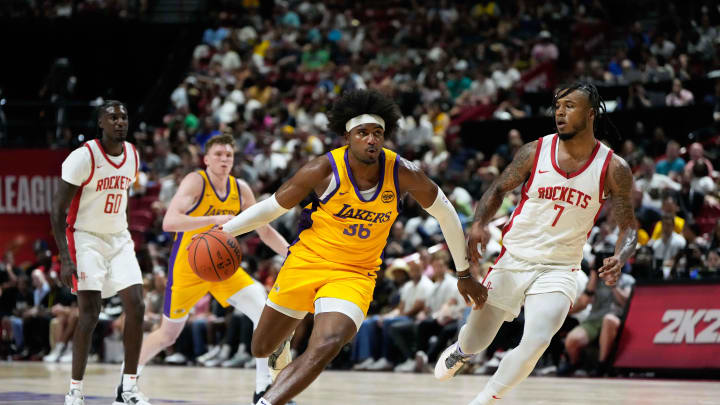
[560,209]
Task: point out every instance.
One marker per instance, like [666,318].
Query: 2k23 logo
[681,328]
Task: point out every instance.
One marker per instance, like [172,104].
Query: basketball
[214,255]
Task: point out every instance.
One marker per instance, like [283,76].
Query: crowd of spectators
[269,82]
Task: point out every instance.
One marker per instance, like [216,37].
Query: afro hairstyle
[356,102]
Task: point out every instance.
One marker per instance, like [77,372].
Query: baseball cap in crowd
[396,265]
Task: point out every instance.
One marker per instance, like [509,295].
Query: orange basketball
[214,255]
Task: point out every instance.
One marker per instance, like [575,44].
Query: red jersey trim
[502,252]
[553,158]
[525,189]
[602,188]
[117,166]
[602,204]
[72,212]
[70,236]
[517,211]
[603,173]
[75,203]
[92,166]
[534,168]
[136,160]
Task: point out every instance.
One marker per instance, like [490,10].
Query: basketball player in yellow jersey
[205,199]
[331,267]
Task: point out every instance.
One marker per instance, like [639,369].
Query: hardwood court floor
[24,383]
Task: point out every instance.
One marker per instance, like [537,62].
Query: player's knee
[135,312]
[261,348]
[88,317]
[169,335]
[538,343]
[327,348]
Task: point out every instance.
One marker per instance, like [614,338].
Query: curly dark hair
[355,102]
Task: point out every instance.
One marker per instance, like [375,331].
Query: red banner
[28,181]
[673,327]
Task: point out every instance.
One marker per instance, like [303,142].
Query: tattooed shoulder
[621,178]
[519,169]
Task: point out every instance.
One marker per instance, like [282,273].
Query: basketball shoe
[280,358]
[133,397]
[258,395]
[450,361]
[75,397]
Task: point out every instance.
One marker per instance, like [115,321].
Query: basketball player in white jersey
[97,253]
[566,178]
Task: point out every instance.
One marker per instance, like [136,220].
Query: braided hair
[602,123]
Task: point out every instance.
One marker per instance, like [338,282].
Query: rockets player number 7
[560,209]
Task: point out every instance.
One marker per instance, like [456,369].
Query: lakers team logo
[388,196]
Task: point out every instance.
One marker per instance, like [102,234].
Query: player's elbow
[168,224]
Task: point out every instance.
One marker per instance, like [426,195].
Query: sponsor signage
[674,326]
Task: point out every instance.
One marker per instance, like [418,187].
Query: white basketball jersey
[100,202]
[557,210]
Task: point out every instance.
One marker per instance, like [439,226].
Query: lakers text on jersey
[341,239]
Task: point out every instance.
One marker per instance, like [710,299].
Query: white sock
[262,375]
[129,381]
[263,401]
[483,399]
[489,394]
[76,385]
[140,367]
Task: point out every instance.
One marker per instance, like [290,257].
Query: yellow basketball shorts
[302,280]
[184,289]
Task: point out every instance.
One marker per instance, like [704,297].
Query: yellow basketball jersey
[184,288]
[345,228]
[210,203]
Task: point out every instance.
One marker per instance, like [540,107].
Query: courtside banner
[28,181]
[673,326]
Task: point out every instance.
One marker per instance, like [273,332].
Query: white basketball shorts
[105,262]
[511,279]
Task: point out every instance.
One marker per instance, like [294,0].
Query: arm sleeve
[449,222]
[76,167]
[254,217]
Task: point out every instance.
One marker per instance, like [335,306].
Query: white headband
[364,119]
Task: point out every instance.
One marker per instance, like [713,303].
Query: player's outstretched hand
[473,292]
[67,270]
[610,270]
[478,235]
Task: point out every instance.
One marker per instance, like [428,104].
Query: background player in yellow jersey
[331,267]
[204,199]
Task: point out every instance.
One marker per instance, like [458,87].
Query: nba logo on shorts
[82,275]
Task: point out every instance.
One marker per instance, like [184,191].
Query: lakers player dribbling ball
[566,178]
[206,198]
[97,253]
[331,268]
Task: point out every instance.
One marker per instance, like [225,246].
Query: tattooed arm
[619,182]
[514,175]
